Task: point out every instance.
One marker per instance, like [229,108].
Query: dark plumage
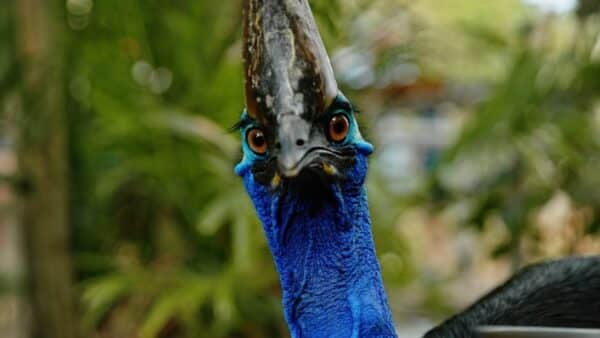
[564,293]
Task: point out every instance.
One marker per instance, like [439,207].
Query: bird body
[563,293]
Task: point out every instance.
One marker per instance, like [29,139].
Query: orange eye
[257,141]
[338,128]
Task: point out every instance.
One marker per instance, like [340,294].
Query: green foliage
[164,232]
[8,58]
[535,136]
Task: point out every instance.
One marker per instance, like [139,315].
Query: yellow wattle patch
[329,169]
[275,181]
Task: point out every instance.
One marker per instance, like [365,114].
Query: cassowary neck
[323,249]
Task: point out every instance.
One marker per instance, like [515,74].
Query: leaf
[200,128]
[214,215]
[181,300]
[484,34]
[241,244]
[101,294]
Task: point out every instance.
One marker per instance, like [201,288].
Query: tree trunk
[43,162]
[13,323]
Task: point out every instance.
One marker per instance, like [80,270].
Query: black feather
[241,124]
[564,293]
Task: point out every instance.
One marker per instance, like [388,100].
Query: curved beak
[286,67]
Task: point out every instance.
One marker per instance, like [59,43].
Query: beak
[287,70]
[298,147]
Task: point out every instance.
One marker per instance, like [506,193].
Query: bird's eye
[257,141]
[338,128]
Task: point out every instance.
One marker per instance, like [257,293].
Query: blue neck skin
[323,250]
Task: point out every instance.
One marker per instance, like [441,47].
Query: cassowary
[304,166]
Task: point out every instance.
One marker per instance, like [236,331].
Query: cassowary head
[297,126]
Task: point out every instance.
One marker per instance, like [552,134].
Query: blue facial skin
[323,249]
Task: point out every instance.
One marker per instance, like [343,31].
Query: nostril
[300,142]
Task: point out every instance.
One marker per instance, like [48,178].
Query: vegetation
[164,240]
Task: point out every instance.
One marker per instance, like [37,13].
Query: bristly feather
[563,293]
[241,124]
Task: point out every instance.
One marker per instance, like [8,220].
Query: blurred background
[120,214]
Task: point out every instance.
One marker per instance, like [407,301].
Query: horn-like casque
[287,70]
